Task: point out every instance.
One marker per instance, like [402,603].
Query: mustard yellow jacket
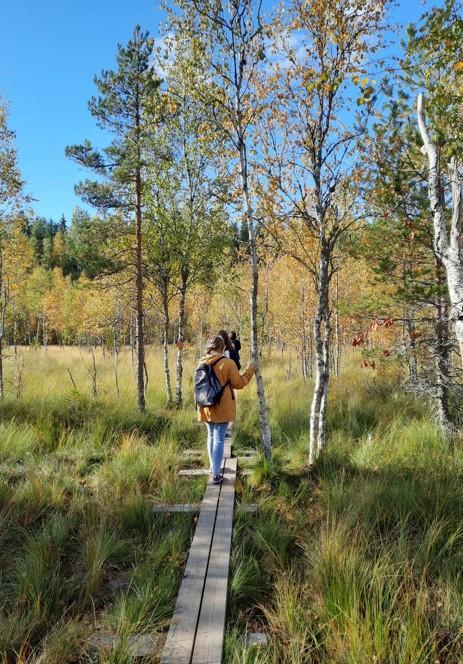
[226,371]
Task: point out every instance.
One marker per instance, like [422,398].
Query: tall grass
[363,557]
[358,561]
[81,550]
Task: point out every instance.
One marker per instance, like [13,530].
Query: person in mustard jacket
[218,417]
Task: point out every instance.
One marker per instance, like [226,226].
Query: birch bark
[165,348]
[321,332]
[2,322]
[447,244]
[180,342]
[263,413]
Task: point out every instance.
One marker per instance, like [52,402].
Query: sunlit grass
[374,572]
[359,560]
[80,547]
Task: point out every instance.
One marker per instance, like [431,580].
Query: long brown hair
[226,338]
[215,345]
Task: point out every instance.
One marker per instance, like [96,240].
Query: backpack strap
[211,364]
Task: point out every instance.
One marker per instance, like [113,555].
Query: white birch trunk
[2,322]
[263,414]
[180,341]
[321,331]
[337,344]
[446,245]
[442,367]
[165,349]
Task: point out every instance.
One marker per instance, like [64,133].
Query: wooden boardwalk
[197,627]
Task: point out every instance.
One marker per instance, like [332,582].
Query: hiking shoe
[217,479]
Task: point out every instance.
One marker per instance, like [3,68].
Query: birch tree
[448,241]
[398,243]
[310,138]
[11,186]
[226,40]
[190,232]
[433,65]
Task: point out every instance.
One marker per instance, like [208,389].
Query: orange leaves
[358,340]
[374,326]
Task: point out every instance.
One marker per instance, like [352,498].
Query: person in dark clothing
[230,350]
[236,343]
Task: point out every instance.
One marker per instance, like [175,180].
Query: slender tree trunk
[321,437]
[447,246]
[442,352]
[2,322]
[132,344]
[139,291]
[263,414]
[180,342]
[93,373]
[412,356]
[265,326]
[165,347]
[321,331]
[337,329]
[28,331]
[45,335]
[442,366]
[304,349]
[15,331]
[116,354]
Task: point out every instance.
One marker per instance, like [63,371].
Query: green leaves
[11,184]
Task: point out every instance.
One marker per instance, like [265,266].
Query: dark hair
[215,345]
[226,338]
[233,335]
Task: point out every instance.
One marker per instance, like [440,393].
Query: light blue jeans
[216,432]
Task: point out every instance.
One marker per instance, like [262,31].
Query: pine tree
[127,107]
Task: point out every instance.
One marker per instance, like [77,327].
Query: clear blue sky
[50,51]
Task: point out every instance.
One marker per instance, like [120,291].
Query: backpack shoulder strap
[211,364]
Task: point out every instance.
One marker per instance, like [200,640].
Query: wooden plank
[179,507]
[138,645]
[245,459]
[211,625]
[256,639]
[193,472]
[227,449]
[180,639]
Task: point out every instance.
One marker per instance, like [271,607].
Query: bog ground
[359,562]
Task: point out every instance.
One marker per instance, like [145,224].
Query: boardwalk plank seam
[196,585]
[211,625]
[180,638]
